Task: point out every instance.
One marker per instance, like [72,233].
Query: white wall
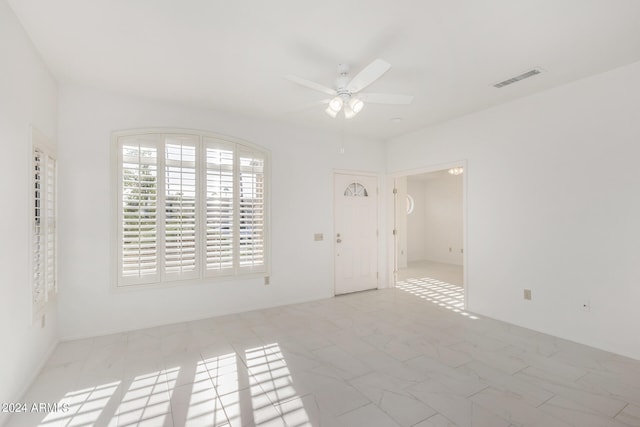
[436,223]
[552,205]
[27,97]
[301,205]
[443,219]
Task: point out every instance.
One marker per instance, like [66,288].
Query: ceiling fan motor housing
[341,84]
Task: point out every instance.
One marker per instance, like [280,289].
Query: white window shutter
[38,244]
[251,206]
[180,207]
[44,236]
[51,236]
[219,215]
[138,212]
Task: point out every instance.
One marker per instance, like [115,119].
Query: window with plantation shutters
[51,240]
[39,249]
[180,207]
[138,206]
[43,235]
[190,206]
[220,210]
[251,211]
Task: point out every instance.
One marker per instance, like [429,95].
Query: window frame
[203,139]
[47,246]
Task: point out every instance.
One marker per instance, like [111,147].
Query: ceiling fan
[347,96]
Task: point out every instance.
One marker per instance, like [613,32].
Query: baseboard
[114,331]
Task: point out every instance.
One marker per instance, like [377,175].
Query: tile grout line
[621,410]
[546,400]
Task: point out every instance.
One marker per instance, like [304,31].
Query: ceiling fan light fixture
[356,105]
[333,114]
[335,104]
[348,112]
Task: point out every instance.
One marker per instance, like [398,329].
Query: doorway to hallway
[430,235]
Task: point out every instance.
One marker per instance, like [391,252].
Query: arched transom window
[355,189]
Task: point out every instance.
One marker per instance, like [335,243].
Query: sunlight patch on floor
[270,378]
[437,292]
[148,399]
[81,407]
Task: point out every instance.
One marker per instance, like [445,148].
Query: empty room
[292,213]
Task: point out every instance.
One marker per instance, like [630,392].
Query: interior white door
[356,232]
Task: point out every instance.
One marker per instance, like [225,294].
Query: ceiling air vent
[518,78]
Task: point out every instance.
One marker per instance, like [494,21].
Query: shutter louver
[139,210]
[251,255]
[219,209]
[180,208]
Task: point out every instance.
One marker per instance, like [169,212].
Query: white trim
[431,168]
[41,140]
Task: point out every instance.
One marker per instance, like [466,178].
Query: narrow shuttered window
[43,232]
[251,211]
[51,239]
[219,215]
[38,246]
[191,206]
[139,211]
[180,208]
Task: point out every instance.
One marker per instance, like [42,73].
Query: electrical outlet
[527,294]
[318,237]
[586,305]
[267,280]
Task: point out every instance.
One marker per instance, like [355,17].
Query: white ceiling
[232,55]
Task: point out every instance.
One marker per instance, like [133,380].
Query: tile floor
[388,358]
[449,273]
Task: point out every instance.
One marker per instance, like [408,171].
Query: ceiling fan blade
[309,105]
[311,85]
[370,74]
[386,98]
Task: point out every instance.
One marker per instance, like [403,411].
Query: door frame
[391,201]
[379,255]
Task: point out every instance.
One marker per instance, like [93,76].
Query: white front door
[356,232]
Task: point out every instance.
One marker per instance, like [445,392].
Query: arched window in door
[355,189]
